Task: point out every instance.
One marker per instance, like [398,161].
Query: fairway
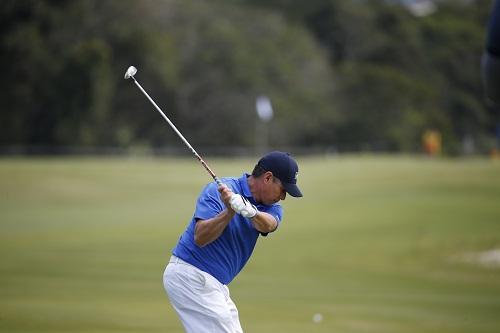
[377,244]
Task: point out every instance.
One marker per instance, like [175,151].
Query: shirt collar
[244,185]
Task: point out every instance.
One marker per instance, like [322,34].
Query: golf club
[131,71]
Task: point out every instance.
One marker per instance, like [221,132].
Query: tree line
[352,75]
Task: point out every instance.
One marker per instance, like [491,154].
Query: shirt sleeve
[277,212]
[209,203]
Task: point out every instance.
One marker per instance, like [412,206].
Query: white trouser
[201,301]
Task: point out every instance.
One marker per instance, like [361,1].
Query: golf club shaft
[205,165]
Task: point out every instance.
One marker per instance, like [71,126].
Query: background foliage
[352,75]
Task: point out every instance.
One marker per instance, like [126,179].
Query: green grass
[374,246]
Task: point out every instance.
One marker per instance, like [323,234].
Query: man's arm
[264,222]
[206,231]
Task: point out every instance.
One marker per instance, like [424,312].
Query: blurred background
[95,188]
[341,76]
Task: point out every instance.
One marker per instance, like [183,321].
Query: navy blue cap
[283,167]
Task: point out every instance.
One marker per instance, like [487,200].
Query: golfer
[220,239]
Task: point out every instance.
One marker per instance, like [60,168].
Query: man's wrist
[228,212]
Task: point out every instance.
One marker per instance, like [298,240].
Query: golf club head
[130,72]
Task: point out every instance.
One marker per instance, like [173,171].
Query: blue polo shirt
[224,257]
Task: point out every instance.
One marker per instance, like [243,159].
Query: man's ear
[268,177]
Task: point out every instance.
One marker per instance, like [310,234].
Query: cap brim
[293,190]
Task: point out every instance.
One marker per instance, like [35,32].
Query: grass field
[378,244]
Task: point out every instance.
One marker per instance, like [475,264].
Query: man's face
[272,190]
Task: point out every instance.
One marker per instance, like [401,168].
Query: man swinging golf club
[230,215]
[220,238]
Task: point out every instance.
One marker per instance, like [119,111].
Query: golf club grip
[205,165]
[218,181]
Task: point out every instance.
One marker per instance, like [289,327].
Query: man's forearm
[264,222]
[206,231]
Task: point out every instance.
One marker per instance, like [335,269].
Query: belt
[177,260]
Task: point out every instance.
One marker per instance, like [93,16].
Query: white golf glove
[242,206]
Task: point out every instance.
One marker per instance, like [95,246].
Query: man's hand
[226,195]
[242,206]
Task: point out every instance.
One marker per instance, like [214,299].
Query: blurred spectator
[491,56]
[495,153]
[431,140]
